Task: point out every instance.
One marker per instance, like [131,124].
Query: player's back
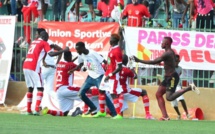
[35,54]
[62,75]
[124,74]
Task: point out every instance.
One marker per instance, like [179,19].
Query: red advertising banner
[95,35]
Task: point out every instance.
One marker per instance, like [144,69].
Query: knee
[30,89]
[114,96]
[168,98]
[144,92]
[40,89]
[101,92]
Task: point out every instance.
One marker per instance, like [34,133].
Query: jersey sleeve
[125,12]
[47,47]
[99,7]
[146,12]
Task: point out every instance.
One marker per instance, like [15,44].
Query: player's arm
[58,52]
[58,48]
[78,67]
[134,73]
[158,60]
[184,13]
[167,10]
[75,59]
[155,61]
[124,14]
[43,60]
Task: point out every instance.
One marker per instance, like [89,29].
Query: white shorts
[66,96]
[175,102]
[112,86]
[130,97]
[32,79]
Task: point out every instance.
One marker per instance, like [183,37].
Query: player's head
[44,36]
[80,47]
[38,31]
[177,59]
[67,56]
[135,2]
[166,43]
[114,39]
[145,3]
[125,59]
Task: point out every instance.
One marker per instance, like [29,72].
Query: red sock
[94,91]
[146,104]
[29,101]
[121,98]
[102,102]
[39,99]
[55,113]
[116,105]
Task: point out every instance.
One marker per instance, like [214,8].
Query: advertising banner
[196,49]
[7,28]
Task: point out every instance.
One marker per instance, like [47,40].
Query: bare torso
[169,62]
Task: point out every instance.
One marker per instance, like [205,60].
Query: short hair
[44,34]
[80,44]
[169,39]
[146,3]
[124,59]
[116,37]
[39,30]
[67,55]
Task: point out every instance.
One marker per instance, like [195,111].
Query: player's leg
[174,104]
[66,96]
[183,103]
[30,85]
[82,93]
[161,103]
[90,4]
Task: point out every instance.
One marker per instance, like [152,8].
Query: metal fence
[201,78]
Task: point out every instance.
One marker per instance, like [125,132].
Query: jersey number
[59,76]
[31,49]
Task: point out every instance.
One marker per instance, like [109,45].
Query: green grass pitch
[28,124]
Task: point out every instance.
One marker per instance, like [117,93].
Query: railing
[199,77]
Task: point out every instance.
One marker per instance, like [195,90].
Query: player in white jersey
[66,92]
[93,63]
[31,69]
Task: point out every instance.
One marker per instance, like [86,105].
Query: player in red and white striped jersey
[66,92]
[31,68]
[132,94]
[110,81]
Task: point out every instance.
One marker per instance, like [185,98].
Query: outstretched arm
[58,52]
[155,61]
